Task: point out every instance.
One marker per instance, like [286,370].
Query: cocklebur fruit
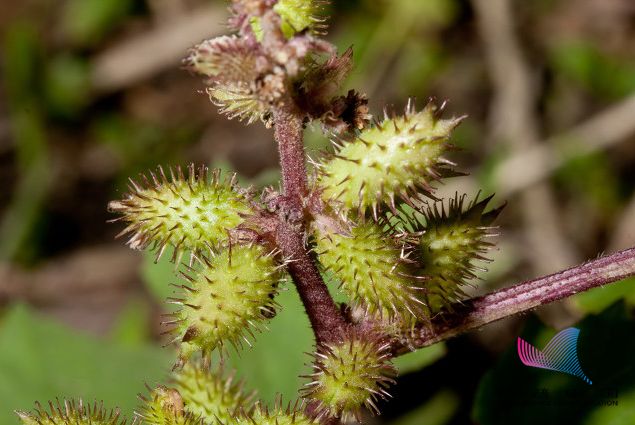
[164,406]
[210,394]
[350,375]
[71,412]
[225,299]
[399,157]
[371,270]
[191,214]
[279,415]
[448,243]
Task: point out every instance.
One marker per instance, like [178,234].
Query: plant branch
[326,320]
[525,296]
[288,134]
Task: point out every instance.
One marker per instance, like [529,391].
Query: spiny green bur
[192,213]
[290,415]
[394,158]
[452,241]
[371,272]
[350,375]
[164,406]
[211,395]
[71,412]
[229,294]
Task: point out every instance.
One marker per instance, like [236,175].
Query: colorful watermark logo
[560,354]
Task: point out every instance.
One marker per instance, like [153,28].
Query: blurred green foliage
[22,58]
[438,410]
[592,178]
[87,22]
[42,360]
[600,73]
[67,85]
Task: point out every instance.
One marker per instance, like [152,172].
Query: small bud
[71,412]
[320,82]
[210,395]
[239,100]
[249,100]
[226,297]
[372,273]
[225,58]
[394,159]
[299,15]
[164,406]
[279,415]
[193,213]
[448,243]
[350,375]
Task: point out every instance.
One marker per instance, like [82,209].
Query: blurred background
[91,92]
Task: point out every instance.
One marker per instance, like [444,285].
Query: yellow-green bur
[447,252]
[70,412]
[349,376]
[164,407]
[277,416]
[228,295]
[452,241]
[395,158]
[368,266]
[210,395]
[190,214]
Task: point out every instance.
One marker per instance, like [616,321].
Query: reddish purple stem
[525,296]
[326,320]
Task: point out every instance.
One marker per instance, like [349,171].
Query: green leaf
[132,325]
[436,411]
[42,359]
[419,359]
[158,276]
[275,362]
[610,415]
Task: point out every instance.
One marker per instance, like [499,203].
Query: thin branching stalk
[525,296]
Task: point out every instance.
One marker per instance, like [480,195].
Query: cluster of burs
[399,255]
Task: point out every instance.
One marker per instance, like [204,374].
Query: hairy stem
[288,134]
[326,320]
[525,296]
